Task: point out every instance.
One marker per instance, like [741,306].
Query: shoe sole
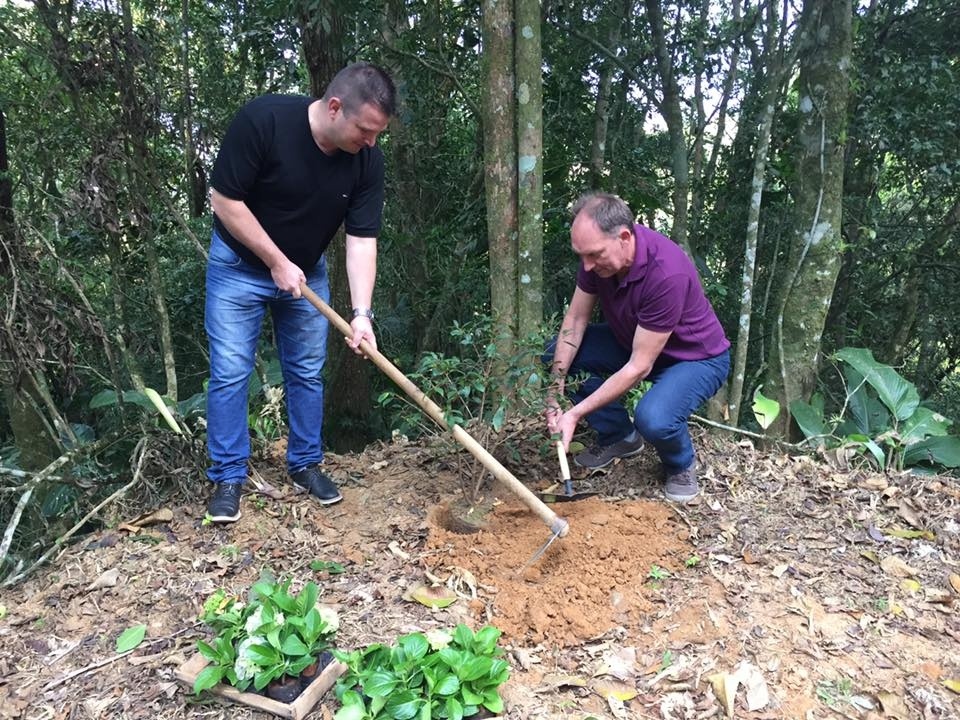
[224,518]
[680,499]
[632,453]
[322,501]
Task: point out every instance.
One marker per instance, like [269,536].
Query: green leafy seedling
[658,573]
[692,561]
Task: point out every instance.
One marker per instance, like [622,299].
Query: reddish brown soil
[584,585]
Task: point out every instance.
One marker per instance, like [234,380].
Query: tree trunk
[706,181]
[815,251]
[777,66]
[196,185]
[529,60]
[673,116]
[32,433]
[500,169]
[347,407]
[906,319]
[601,110]
[137,123]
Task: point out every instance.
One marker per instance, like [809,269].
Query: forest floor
[789,589]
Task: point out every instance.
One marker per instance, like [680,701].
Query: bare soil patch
[838,589]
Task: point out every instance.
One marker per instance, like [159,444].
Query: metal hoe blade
[541,551]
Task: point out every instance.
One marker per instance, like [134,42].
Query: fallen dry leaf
[608,687]
[725,688]
[955,582]
[463,583]
[163,515]
[896,567]
[952,684]
[875,482]
[758,696]
[95,707]
[937,595]
[894,706]
[910,586]
[620,664]
[394,547]
[106,579]
[434,597]
[909,513]
[617,707]
[911,534]
[555,681]
[931,670]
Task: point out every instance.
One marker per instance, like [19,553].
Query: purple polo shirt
[661,292]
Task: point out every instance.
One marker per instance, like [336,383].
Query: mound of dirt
[593,580]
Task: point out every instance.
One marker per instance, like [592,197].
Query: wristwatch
[363,312]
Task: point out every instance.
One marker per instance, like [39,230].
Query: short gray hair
[608,211]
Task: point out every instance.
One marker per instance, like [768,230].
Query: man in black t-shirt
[290,171]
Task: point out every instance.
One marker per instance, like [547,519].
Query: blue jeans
[238,295]
[679,388]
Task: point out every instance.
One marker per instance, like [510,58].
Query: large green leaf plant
[881,417]
[433,675]
[276,634]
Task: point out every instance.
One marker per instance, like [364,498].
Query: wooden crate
[296,710]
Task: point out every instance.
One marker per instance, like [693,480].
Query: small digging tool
[558,526]
[550,495]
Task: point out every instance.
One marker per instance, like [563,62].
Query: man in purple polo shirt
[659,326]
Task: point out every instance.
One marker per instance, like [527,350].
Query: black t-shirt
[300,195]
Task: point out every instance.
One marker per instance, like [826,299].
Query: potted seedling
[267,650]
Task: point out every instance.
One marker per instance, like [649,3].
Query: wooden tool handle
[562,455]
[557,525]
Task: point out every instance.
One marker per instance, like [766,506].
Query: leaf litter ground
[791,589]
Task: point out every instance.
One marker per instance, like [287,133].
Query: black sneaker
[224,506]
[313,480]
[599,456]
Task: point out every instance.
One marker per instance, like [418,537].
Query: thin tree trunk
[347,408]
[697,187]
[698,201]
[601,110]
[814,262]
[777,67]
[32,433]
[196,186]
[529,60]
[906,318]
[136,125]
[500,168]
[673,116]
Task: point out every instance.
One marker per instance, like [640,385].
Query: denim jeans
[238,295]
[679,388]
